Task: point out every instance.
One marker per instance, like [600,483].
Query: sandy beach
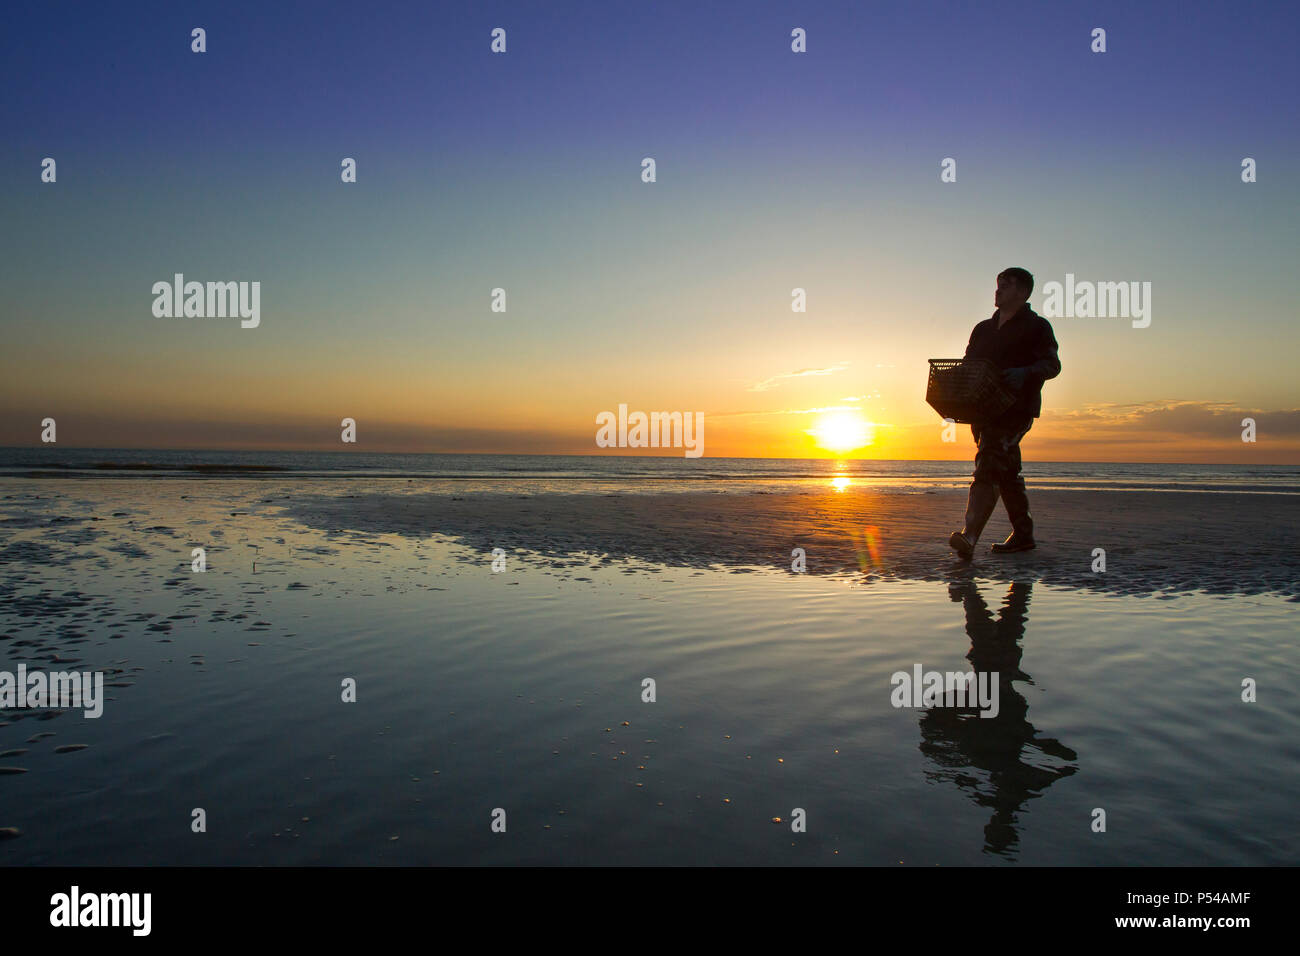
[1154,542]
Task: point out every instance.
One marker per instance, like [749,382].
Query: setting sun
[842,431]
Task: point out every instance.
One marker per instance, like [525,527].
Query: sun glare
[842,432]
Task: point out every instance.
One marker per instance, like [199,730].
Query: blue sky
[775,170]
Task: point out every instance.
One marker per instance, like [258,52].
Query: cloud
[776,380]
[1175,419]
[323,434]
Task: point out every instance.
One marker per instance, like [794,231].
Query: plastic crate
[968,392]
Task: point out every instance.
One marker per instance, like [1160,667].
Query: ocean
[631,473]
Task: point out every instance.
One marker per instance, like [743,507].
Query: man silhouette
[1021,343]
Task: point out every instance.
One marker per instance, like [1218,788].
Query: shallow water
[479,690]
[629,474]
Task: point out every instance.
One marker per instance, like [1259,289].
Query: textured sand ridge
[1155,542]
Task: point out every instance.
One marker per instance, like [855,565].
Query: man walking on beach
[1020,342]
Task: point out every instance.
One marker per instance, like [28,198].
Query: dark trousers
[997,472]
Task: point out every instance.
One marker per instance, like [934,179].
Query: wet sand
[522,689]
[1154,542]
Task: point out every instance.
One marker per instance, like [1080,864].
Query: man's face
[1010,294]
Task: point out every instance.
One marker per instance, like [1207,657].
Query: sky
[522,171]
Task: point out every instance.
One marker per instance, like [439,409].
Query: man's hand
[1015,378]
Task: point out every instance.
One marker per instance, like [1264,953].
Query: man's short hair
[1021,276]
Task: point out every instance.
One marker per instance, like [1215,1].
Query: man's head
[1014,286]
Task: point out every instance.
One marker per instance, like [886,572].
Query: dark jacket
[1025,341]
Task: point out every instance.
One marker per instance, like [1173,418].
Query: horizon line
[670,457]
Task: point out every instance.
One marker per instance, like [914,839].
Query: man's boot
[980,503]
[1016,499]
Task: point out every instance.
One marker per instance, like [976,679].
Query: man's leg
[1012,485]
[983,496]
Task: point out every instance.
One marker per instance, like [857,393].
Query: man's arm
[1046,362]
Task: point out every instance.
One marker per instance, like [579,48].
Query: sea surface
[523,690]
[631,473]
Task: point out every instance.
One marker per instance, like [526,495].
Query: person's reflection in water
[1017,763]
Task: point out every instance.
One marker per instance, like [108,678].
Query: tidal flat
[523,689]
